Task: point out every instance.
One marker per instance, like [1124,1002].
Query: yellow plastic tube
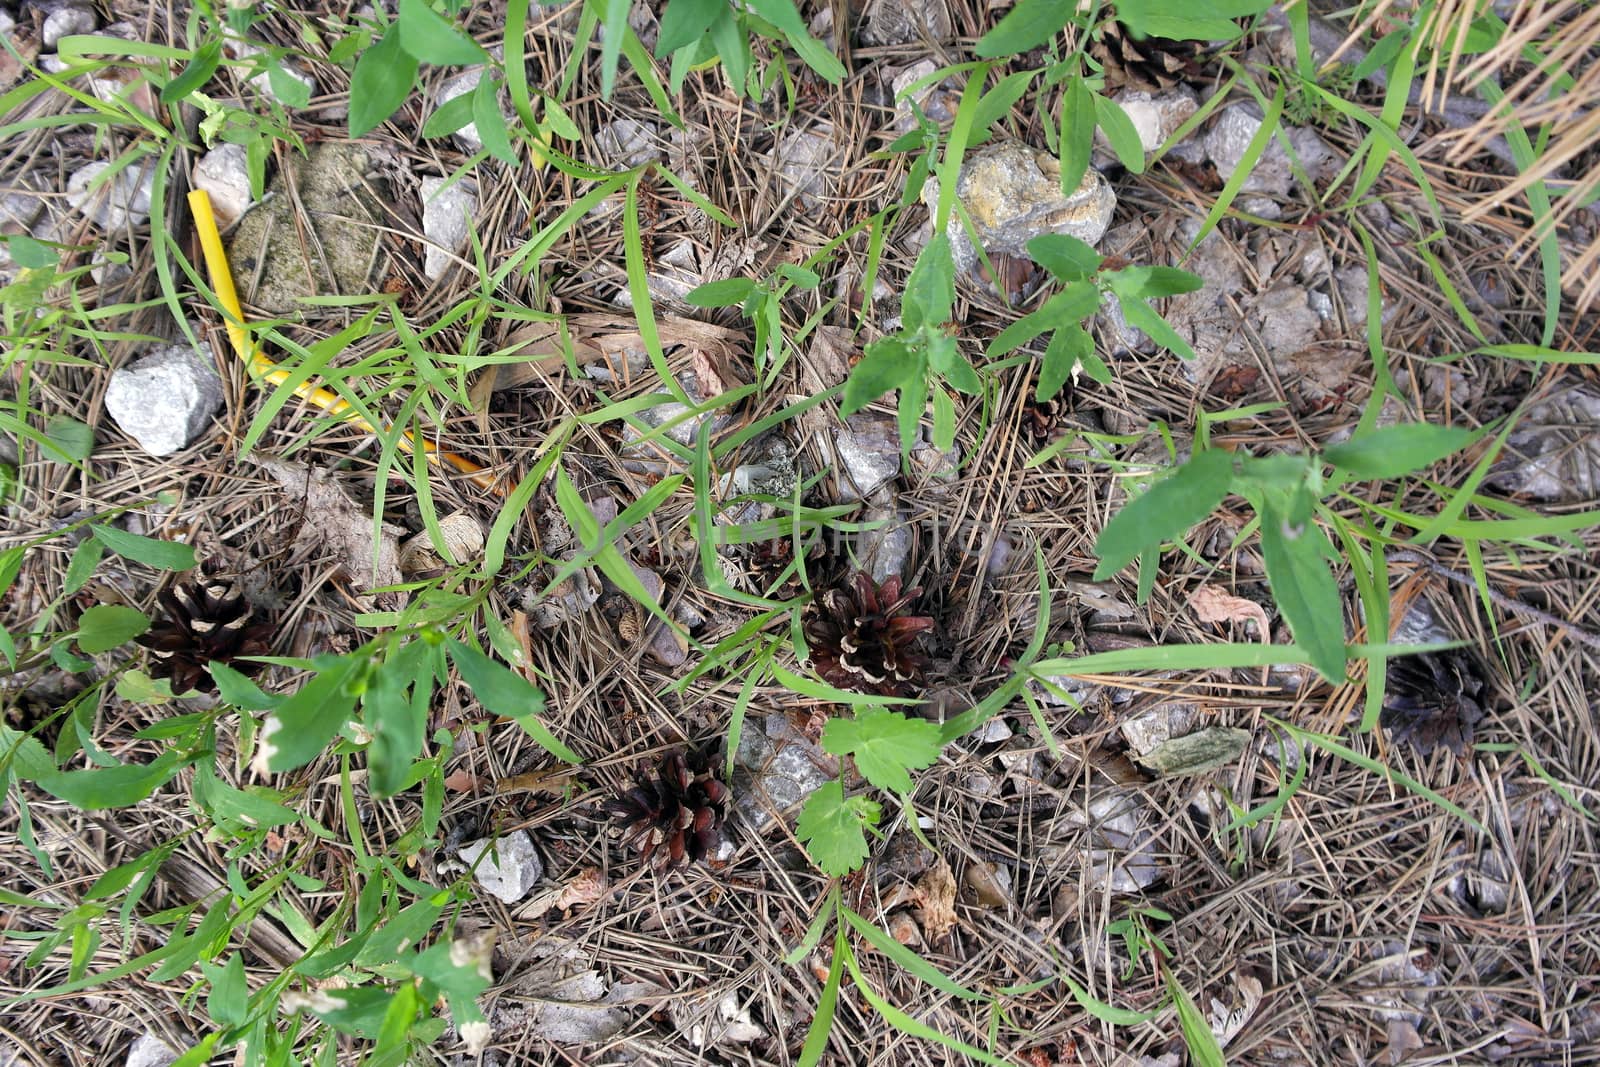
[263,369]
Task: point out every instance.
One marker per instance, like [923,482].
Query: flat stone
[891,22]
[1554,453]
[342,211]
[938,101]
[65,22]
[447,211]
[804,161]
[150,1051]
[511,872]
[164,400]
[1012,192]
[1288,321]
[121,200]
[777,767]
[1157,725]
[224,174]
[1230,136]
[868,448]
[1156,116]
[627,143]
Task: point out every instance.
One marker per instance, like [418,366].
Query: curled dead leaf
[935,894]
[586,887]
[1211,604]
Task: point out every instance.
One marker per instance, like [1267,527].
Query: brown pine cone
[862,638]
[201,624]
[675,816]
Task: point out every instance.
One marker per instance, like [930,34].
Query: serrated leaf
[886,745]
[1294,550]
[1392,451]
[430,37]
[832,828]
[1028,25]
[106,626]
[380,83]
[151,551]
[1164,511]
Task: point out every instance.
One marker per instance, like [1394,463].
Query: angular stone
[122,199]
[225,176]
[868,447]
[335,202]
[446,214]
[150,1051]
[66,21]
[511,872]
[891,22]
[165,399]
[1157,116]
[1012,192]
[1198,752]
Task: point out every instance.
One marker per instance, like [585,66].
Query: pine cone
[673,817]
[1153,64]
[1433,698]
[861,639]
[765,562]
[203,624]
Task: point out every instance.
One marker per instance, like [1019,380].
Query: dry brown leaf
[1211,604]
[989,884]
[936,895]
[335,524]
[586,887]
[462,781]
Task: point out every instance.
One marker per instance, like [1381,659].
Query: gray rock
[446,214]
[1157,116]
[883,550]
[1288,322]
[891,22]
[1013,193]
[150,1051]
[1273,173]
[165,399]
[627,143]
[1157,725]
[225,176]
[338,203]
[938,101]
[776,768]
[804,160]
[511,872]
[120,200]
[868,451]
[64,22]
[1120,857]
[1554,454]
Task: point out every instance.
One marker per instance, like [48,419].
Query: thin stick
[263,369]
[1582,636]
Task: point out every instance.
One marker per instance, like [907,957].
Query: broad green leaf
[614,18]
[290,91]
[357,1010]
[1392,451]
[430,37]
[111,787]
[504,692]
[452,115]
[1064,256]
[719,294]
[229,1000]
[998,102]
[1152,282]
[885,744]
[1164,511]
[196,73]
[151,551]
[232,807]
[1198,1036]
[395,710]
[816,1043]
[380,83]
[1077,133]
[80,568]
[237,689]
[686,21]
[1028,25]
[931,289]
[491,121]
[1064,353]
[24,755]
[1295,553]
[299,729]
[71,438]
[31,254]
[1195,20]
[1121,132]
[832,828]
[560,123]
[107,626]
[1141,316]
[1067,308]
[888,364]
